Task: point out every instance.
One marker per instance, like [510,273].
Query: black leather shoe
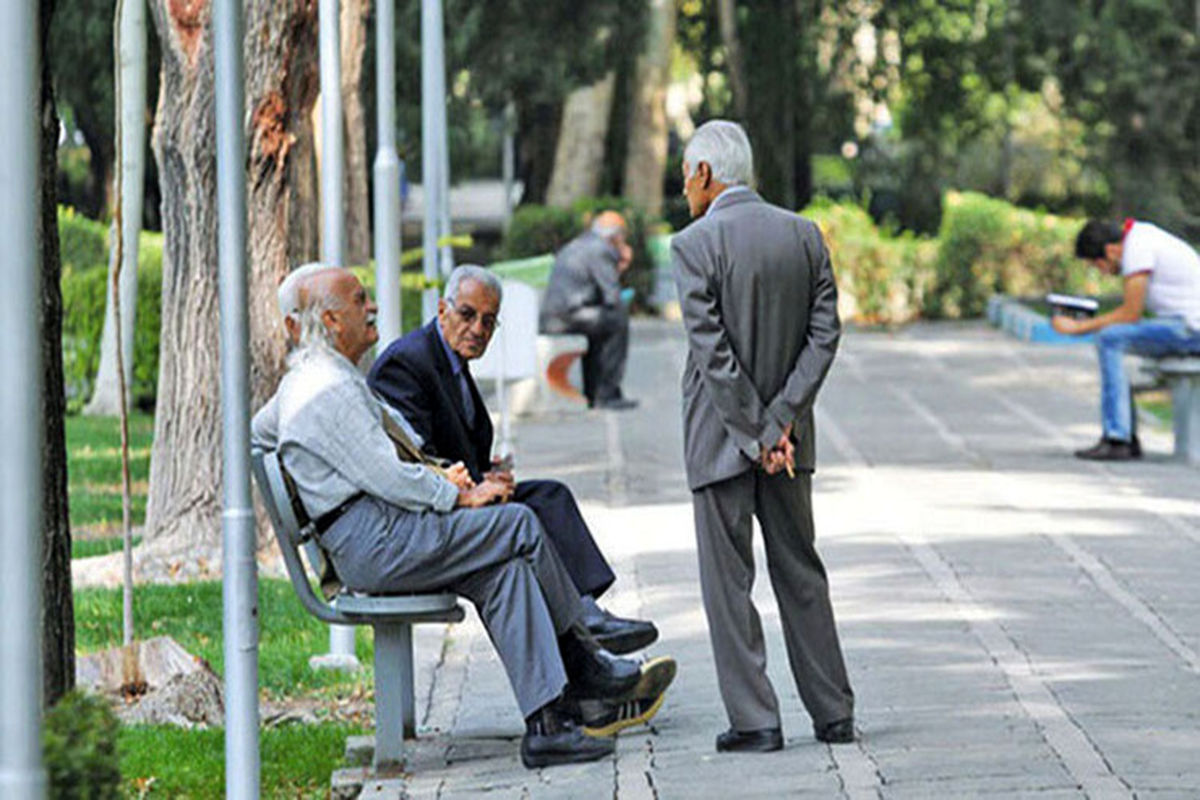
[1111,450]
[615,404]
[619,635]
[839,731]
[552,738]
[765,740]
[593,672]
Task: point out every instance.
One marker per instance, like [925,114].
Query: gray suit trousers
[783,506]
[496,557]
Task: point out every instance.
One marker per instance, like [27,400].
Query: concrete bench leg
[1185,402]
[393,650]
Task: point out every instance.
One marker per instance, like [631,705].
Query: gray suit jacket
[760,306]
[585,274]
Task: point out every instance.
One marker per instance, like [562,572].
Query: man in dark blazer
[759,302]
[425,375]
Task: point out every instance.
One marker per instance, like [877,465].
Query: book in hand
[1069,305]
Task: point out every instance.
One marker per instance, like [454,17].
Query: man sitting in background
[1162,273]
[393,525]
[584,296]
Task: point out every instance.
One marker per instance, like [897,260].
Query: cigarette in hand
[791,472]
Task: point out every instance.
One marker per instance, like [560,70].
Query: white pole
[432,95]
[21,773]
[508,161]
[240,590]
[333,230]
[387,176]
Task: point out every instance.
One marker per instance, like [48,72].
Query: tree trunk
[646,151]
[357,170]
[131,153]
[58,608]
[183,510]
[735,65]
[536,137]
[579,156]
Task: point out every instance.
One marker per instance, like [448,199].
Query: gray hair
[288,293]
[724,146]
[472,272]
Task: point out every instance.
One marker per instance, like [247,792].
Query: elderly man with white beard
[392,524]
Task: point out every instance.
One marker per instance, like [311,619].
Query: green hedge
[536,230]
[84,245]
[882,279]
[984,246]
[987,246]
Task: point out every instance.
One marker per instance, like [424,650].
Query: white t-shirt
[1174,268]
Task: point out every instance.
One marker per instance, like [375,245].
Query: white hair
[472,272]
[724,146]
[288,293]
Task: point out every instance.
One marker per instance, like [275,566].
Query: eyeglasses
[469,315]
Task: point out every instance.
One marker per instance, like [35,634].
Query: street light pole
[433,98]
[21,773]
[333,239]
[239,568]
[387,176]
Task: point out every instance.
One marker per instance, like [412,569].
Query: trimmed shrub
[79,746]
[535,230]
[882,279]
[988,246]
[84,290]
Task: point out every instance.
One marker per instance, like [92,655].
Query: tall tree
[58,609]
[183,510]
[130,131]
[354,14]
[579,155]
[646,151]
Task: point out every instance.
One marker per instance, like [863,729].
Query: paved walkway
[1016,623]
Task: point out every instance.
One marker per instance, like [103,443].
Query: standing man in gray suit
[760,307]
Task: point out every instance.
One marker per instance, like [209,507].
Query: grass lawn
[164,761]
[94,472]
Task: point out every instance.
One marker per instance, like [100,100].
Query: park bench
[1182,374]
[391,616]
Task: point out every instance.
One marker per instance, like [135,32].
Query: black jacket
[414,375]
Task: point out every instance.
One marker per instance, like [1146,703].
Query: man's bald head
[334,310]
[609,224]
[289,292]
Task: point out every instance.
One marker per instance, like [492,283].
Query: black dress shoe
[839,731]
[1111,450]
[615,404]
[593,672]
[551,737]
[765,740]
[619,635]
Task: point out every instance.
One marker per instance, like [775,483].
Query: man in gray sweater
[584,296]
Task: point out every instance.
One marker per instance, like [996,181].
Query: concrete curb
[1011,315]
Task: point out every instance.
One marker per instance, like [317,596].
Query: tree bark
[735,65]
[130,113]
[579,155]
[646,151]
[58,608]
[183,510]
[356,192]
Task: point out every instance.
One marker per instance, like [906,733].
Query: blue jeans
[1155,338]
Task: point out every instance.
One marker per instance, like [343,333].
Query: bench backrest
[268,474]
